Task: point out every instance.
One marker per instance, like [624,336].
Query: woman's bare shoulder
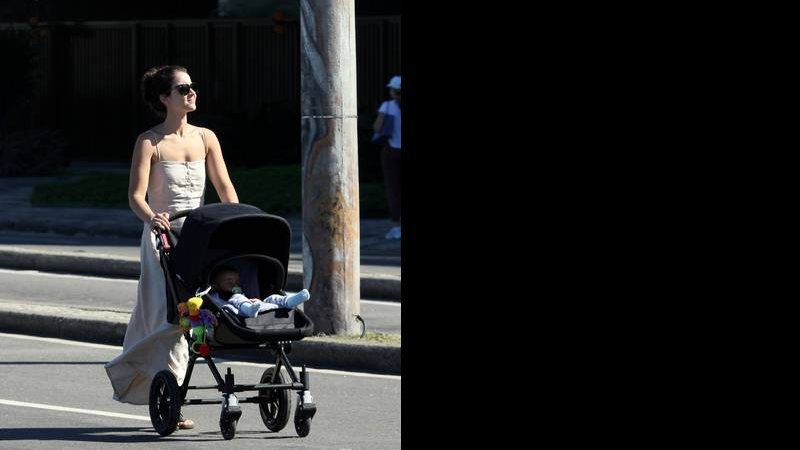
[147,140]
[148,135]
[204,130]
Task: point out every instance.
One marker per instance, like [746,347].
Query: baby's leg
[290,301]
[248,309]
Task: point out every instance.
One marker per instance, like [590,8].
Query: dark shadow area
[254,435]
[223,356]
[94,434]
[17,238]
[53,363]
[381,261]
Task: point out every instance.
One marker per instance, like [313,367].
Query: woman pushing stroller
[168,174]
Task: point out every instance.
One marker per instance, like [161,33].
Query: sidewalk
[105,242]
[380,258]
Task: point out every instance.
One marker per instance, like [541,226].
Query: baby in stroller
[226,294]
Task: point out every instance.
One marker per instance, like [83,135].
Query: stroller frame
[167,398]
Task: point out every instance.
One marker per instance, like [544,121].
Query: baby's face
[225,281]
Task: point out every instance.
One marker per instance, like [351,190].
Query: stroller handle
[173,218]
[162,237]
[180,214]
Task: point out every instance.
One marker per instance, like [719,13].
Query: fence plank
[246,69]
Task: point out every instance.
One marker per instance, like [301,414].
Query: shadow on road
[120,435]
[54,363]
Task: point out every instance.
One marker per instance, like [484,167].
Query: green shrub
[98,190]
[274,189]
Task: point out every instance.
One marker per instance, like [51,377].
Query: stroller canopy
[220,231]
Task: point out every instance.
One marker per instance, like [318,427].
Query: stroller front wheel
[227,425]
[165,403]
[302,426]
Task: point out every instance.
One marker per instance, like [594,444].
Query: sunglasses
[183,89]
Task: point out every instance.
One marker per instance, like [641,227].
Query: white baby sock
[295,299]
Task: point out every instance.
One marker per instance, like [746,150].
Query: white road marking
[379,303]
[217,360]
[61,341]
[325,371]
[64,275]
[93,412]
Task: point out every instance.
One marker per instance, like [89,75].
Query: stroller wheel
[227,425]
[302,426]
[165,403]
[275,407]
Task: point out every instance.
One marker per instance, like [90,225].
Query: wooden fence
[87,80]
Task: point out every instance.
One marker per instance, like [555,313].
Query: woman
[390,154]
[169,165]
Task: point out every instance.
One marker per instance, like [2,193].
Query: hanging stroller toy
[200,321]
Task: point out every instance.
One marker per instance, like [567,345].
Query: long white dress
[151,343]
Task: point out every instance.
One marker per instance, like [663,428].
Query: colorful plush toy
[198,320]
[183,312]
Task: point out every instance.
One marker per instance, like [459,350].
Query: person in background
[390,153]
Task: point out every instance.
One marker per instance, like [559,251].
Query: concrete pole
[331,227]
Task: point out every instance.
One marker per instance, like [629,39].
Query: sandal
[184,423]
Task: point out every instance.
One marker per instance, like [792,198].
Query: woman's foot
[184,423]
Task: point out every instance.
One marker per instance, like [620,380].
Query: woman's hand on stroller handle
[160,221]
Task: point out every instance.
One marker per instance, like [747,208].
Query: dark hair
[220,269]
[156,81]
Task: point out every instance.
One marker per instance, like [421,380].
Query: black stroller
[257,244]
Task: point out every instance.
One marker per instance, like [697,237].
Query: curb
[79,227]
[386,287]
[103,327]
[108,327]
[23,259]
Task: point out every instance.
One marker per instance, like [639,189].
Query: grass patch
[370,336]
[93,190]
[274,189]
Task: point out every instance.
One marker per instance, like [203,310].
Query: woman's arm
[137,183]
[378,122]
[217,171]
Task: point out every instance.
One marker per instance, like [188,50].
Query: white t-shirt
[390,108]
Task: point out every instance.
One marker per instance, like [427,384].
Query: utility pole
[331,224]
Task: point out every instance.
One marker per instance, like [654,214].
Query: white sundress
[151,343]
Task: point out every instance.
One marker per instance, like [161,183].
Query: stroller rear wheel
[165,403]
[275,407]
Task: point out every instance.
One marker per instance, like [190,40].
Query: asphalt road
[55,395]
